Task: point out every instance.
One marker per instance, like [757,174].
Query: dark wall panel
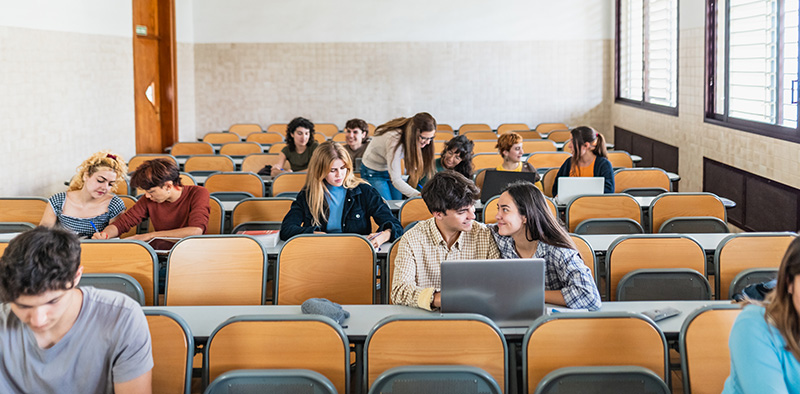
[723,181]
[665,156]
[769,206]
[654,153]
[762,204]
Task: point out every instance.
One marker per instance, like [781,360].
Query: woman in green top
[300,144]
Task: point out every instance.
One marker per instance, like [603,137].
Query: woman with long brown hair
[589,158]
[765,339]
[527,229]
[333,200]
[407,140]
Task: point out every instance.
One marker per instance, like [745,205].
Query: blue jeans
[381,181]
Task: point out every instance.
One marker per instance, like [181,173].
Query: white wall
[105,17]
[66,77]
[463,61]
[67,70]
[295,21]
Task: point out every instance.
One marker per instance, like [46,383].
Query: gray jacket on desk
[360,204]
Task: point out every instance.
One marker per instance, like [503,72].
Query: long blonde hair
[418,161]
[93,164]
[780,309]
[318,169]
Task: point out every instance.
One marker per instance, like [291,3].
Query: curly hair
[38,261]
[293,125]
[102,159]
[463,148]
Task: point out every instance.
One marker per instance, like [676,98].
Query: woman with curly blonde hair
[333,200]
[89,204]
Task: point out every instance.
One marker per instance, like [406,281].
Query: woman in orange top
[589,158]
[509,145]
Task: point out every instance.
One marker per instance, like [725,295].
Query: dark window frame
[769,130]
[642,104]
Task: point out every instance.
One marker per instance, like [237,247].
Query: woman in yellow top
[589,158]
[509,146]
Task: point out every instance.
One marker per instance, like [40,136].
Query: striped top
[83,226]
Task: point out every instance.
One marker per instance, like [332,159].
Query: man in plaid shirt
[452,234]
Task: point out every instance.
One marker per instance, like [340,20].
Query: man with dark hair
[175,211]
[451,234]
[356,137]
[58,338]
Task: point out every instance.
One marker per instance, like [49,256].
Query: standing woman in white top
[403,139]
[89,204]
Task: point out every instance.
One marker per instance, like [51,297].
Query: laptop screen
[508,291]
[494,181]
[571,187]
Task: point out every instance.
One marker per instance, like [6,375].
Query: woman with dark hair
[456,156]
[527,229]
[407,140]
[300,144]
[589,158]
[765,339]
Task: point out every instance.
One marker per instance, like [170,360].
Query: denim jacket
[360,203]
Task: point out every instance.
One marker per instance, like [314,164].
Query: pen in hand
[94,227]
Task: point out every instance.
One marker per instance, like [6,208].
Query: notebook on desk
[495,181]
[570,187]
[508,291]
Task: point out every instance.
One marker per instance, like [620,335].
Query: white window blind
[631,49]
[762,60]
[649,51]
[661,68]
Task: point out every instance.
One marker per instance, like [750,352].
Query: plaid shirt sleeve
[566,271]
[414,281]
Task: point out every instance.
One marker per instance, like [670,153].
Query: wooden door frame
[168,96]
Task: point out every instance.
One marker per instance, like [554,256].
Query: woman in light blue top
[764,341]
[333,200]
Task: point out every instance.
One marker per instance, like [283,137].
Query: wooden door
[155,95]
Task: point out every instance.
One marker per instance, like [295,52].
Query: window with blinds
[647,59]
[753,78]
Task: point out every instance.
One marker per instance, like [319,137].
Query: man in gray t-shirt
[55,337]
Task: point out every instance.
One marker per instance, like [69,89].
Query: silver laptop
[508,291]
[570,187]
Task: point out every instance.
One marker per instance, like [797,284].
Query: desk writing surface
[204,319]
[5,237]
[645,202]
[671,326]
[201,180]
[601,242]
[273,251]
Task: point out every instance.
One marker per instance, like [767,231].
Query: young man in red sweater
[175,211]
